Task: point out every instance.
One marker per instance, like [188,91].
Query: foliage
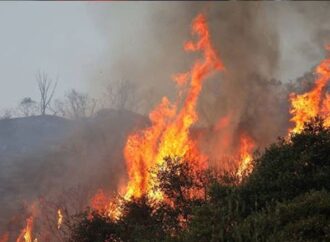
[286,198]
[28,106]
[305,218]
[182,186]
[94,227]
[290,167]
[140,222]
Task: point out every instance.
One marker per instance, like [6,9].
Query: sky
[75,42]
[59,39]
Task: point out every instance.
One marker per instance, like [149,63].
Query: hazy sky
[58,38]
[68,40]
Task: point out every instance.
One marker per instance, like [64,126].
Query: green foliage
[282,180]
[182,187]
[305,218]
[139,222]
[217,219]
[94,227]
[290,167]
[286,198]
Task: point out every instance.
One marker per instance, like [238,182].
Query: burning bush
[144,218]
[278,200]
[284,197]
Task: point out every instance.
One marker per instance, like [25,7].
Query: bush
[286,198]
[290,167]
[94,227]
[305,218]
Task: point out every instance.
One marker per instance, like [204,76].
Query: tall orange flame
[325,111]
[26,233]
[246,147]
[169,132]
[313,103]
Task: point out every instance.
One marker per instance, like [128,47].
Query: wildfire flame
[59,218]
[4,237]
[26,233]
[326,110]
[313,103]
[246,147]
[169,132]
[103,205]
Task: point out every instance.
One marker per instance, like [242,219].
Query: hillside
[42,155]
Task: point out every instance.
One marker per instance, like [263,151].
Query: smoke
[262,44]
[247,42]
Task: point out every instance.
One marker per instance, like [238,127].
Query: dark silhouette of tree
[79,105]
[121,95]
[47,89]
[27,106]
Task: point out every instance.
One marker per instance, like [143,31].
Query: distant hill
[28,135]
[41,155]
[22,136]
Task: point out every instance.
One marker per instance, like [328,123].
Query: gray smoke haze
[262,44]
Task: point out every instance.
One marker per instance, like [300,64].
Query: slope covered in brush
[286,198]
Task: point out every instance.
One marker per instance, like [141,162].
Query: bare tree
[6,114]
[27,106]
[122,95]
[79,105]
[47,89]
[59,108]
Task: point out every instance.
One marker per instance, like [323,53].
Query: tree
[140,222]
[305,218]
[47,89]
[59,108]
[92,226]
[6,114]
[290,167]
[75,105]
[216,219]
[122,95]
[143,219]
[137,223]
[183,187]
[79,105]
[286,198]
[27,106]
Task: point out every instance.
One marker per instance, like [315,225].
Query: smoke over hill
[244,107]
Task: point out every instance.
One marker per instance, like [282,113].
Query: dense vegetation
[286,198]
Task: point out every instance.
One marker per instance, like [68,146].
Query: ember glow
[59,218]
[169,133]
[4,237]
[313,103]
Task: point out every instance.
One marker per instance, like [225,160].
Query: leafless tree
[122,95]
[47,89]
[27,106]
[6,114]
[79,105]
[59,108]
[75,105]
